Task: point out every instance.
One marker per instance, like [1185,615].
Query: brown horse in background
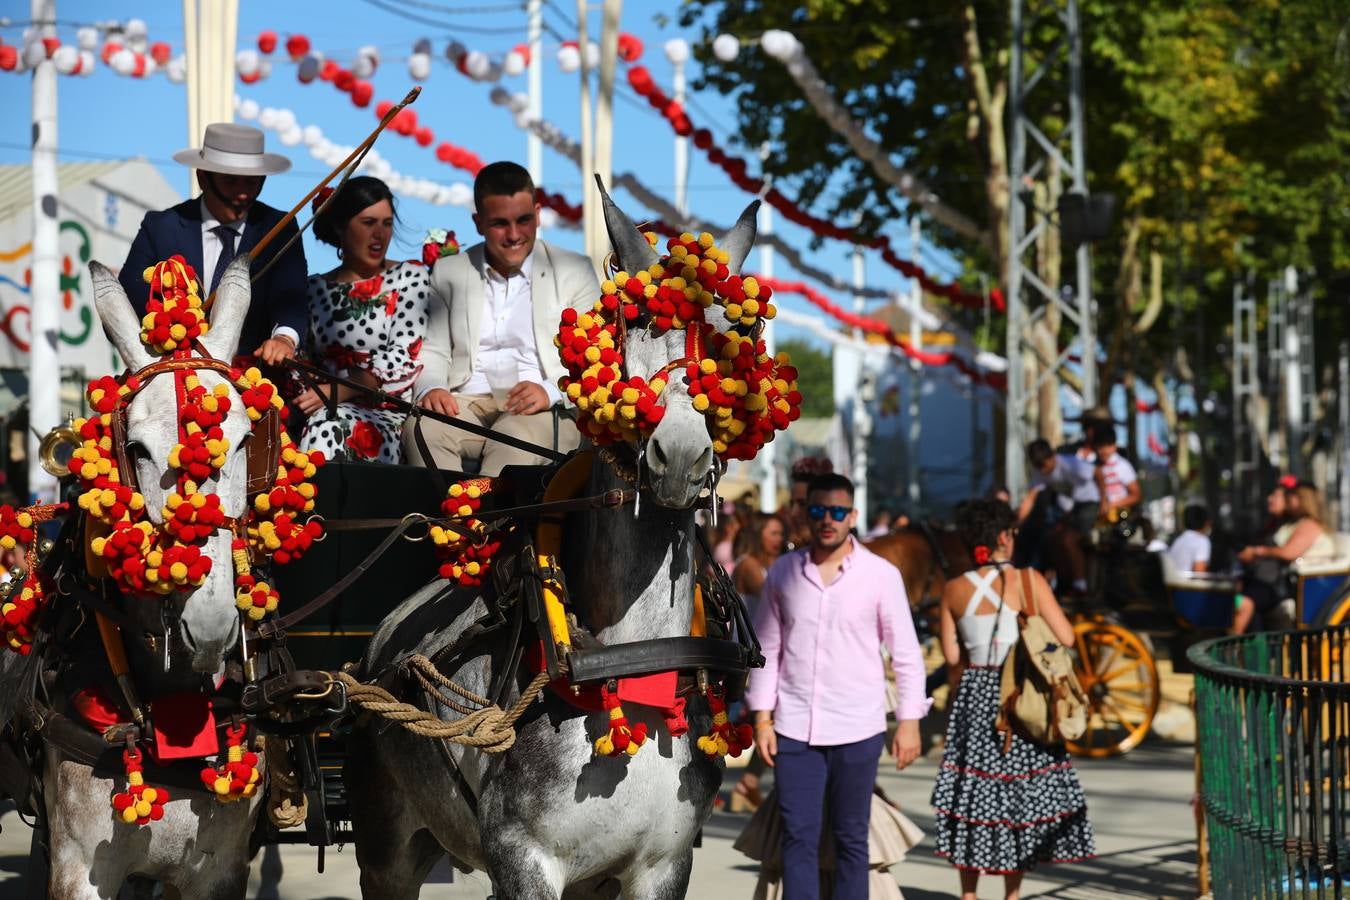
[926,556]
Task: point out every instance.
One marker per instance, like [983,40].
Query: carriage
[557,611]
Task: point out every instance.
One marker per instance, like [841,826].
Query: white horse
[548,818]
[200,847]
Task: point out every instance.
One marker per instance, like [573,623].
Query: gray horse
[200,848]
[548,818]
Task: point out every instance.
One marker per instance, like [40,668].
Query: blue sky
[108,115]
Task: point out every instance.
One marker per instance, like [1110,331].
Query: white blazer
[558,279]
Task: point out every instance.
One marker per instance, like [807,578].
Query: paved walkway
[1139,806]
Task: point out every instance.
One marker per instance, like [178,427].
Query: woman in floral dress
[367,319]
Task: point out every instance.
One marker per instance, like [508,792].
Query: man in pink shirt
[820,701]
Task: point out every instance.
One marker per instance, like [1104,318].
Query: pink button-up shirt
[823,675]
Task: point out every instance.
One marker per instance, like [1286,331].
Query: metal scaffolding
[1038,75]
[1246,391]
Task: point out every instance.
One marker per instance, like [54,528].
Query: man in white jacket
[488,356]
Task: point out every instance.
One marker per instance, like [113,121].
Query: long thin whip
[347,166]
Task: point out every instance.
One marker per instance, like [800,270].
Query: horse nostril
[658,455]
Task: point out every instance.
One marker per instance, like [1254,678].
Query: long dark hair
[361,192]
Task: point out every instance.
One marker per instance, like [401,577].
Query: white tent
[100,207]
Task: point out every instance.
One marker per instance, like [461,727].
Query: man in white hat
[224,222]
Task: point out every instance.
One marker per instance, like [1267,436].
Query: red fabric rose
[982,555]
[415,348]
[431,251]
[365,440]
[368,289]
[390,303]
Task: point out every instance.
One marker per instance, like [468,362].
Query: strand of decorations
[621,737]
[724,738]
[406,123]
[24,602]
[126,50]
[238,777]
[746,395]
[640,79]
[784,47]
[553,136]
[465,551]
[994,379]
[139,804]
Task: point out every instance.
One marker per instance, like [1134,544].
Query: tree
[1221,127]
[815,376]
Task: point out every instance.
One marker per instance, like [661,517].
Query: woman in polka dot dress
[367,319]
[999,810]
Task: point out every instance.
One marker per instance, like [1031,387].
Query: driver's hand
[440,400]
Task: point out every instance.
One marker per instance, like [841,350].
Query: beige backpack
[1039,694]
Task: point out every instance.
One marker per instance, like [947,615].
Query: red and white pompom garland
[746,395]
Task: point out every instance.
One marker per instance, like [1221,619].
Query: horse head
[679,455]
[206,617]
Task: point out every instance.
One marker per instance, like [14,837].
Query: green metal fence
[1273,730]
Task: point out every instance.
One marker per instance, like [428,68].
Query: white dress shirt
[506,333]
[211,250]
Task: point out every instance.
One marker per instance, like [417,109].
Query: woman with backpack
[1003,802]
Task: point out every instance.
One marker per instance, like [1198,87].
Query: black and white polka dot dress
[1000,812]
[376,325]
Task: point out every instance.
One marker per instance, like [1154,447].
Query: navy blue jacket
[279,297]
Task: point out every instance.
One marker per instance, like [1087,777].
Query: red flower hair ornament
[982,555]
[320,199]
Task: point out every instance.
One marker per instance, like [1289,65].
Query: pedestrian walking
[1002,804]
[820,701]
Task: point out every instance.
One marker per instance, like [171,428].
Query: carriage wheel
[1119,676]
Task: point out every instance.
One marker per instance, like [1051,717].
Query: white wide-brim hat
[230,149]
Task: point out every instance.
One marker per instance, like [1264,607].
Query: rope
[489,728]
[287,806]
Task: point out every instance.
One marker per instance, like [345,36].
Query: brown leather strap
[1028,595]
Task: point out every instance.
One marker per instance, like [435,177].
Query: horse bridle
[264,443]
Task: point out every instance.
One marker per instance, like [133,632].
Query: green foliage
[815,376]
[1222,128]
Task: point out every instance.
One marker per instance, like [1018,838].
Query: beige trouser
[449,445]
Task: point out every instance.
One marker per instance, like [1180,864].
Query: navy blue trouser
[809,780]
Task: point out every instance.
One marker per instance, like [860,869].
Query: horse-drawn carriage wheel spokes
[1121,712]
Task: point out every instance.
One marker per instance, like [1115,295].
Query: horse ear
[119,319]
[738,241]
[633,250]
[229,310]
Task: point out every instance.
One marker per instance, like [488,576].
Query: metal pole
[681,150]
[534,147]
[915,377]
[1343,435]
[230,31]
[604,114]
[862,417]
[768,473]
[193,62]
[1293,376]
[44,389]
[1087,329]
[590,202]
[1014,474]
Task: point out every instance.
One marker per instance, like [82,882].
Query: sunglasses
[838,513]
